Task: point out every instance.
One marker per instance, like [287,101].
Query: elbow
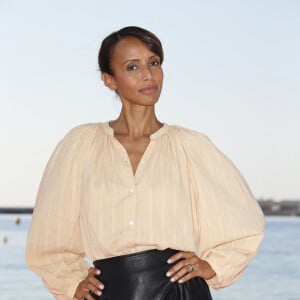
[29,261]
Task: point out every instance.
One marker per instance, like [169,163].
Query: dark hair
[150,40]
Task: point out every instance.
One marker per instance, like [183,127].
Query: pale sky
[232,71]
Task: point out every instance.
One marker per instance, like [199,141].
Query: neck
[136,121]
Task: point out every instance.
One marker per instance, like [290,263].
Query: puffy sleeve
[229,222]
[54,246]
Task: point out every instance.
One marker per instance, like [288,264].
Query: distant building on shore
[284,207]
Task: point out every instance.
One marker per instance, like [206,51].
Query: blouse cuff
[222,279]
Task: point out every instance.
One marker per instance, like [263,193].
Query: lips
[148,90]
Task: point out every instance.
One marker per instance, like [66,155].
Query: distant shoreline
[270,207]
[16,210]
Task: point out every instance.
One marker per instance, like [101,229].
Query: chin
[149,102]
[142,100]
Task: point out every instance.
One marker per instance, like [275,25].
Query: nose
[146,73]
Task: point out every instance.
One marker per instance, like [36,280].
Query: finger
[179,255]
[94,271]
[95,286]
[86,286]
[94,289]
[88,297]
[180,265]
[97,283]
[181,273]
[187,277]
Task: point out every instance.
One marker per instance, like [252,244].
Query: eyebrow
[135,59]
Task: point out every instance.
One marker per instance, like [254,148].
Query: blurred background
[231,71]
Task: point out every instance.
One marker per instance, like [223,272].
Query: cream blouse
[185,195]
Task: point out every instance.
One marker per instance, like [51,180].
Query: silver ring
[191,267]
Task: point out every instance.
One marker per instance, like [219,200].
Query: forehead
[130,48]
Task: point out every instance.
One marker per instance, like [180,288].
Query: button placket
[131,221]
[129,181]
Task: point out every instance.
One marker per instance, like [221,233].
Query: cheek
[159,75]
[129,82]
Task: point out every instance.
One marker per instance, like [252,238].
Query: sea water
[273,275]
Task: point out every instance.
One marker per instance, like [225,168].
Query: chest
[160,189]
[110,188]
[154,167]
[135,149]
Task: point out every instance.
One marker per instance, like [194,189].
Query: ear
[109,81]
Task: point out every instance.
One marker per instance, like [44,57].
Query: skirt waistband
[136,261]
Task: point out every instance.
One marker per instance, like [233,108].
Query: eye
[131,67]
[155,62]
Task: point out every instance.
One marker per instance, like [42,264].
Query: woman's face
[138,75]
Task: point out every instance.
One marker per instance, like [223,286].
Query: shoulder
[187,135]
[198,144]
[83,130]
[79,137]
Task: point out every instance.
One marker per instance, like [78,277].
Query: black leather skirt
[142,276]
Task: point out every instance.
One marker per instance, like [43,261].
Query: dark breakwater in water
[16,210]
[270,207]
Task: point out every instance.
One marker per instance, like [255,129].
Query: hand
[90,283]
[181,270]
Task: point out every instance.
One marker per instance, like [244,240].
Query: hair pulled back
[150,40]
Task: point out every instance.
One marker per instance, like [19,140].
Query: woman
[161,211]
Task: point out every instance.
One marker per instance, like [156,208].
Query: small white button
[132,190]
[131,223]
[142,161]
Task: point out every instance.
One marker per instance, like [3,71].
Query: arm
[54,247]
[229,221]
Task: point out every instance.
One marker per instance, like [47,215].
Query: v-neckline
[152,137]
